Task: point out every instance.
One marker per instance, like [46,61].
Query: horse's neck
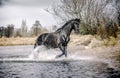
[67,30]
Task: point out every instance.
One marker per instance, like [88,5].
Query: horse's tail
[40,40]
[35,45]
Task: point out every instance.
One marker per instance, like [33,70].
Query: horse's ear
[78,20]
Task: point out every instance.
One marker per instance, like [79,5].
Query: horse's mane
[58,30]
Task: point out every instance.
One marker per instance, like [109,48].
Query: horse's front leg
[64,51]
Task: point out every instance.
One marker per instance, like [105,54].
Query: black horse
[59,38]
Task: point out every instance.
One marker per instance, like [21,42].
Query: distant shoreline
[17,41]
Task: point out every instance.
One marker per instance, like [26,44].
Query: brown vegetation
[17,41]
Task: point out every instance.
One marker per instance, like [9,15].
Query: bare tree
[36,28]
[23,28]
[7,31]
[2,31]
[118,10]
[10,30]
[93,14]
[67,9]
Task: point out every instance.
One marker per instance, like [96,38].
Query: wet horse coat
[59,38]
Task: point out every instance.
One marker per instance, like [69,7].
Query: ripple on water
[63,69]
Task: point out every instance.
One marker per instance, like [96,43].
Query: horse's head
[76,23]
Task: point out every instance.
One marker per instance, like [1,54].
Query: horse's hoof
[58,56]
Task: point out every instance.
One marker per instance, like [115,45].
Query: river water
[16,62]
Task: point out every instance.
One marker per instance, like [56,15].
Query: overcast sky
[14,11]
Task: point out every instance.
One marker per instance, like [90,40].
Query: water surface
[15,63]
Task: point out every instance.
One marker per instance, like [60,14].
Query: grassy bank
[17,41]
[79,40]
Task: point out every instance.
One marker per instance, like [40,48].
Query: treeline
[101,17]
[23,31]
[7,31]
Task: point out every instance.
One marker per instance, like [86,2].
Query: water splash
[42,53]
